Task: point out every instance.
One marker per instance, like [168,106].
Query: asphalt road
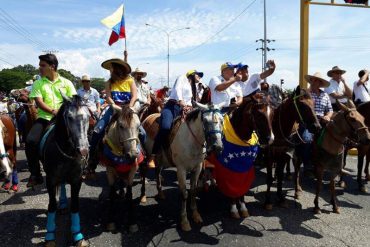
[23,217]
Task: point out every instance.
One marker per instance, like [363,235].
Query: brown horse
[8,151]
[253,115]
[329,148]
[155,106]
[298,108]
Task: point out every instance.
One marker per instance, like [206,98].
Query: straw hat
[139,71]
[108,64]
[335,69]
[85,78]
[318,76]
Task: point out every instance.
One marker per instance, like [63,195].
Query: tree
[98,83]
[67,74]
[12,79]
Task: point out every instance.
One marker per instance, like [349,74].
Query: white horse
[201,131]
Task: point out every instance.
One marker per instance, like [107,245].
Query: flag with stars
[234,170]
[120,163]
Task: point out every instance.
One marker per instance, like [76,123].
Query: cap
[242,66]
[193,71]
[228,65]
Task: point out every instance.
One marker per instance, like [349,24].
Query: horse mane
[191,116]
[126,115]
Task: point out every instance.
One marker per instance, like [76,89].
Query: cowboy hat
[318,76]
[108,64]
[139,71]
[335,69]
[85,78]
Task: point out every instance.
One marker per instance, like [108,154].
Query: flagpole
[125,51]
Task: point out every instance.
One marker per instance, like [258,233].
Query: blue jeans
[304,150]
[170,111]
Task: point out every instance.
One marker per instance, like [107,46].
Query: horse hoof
[235,215]
[51,243]
[342,184]
[197,218]
[82,243]
[133,228]
[143,199]
[161,195]
[185,226]
[244,213]
[111,227]
[363,189]
[317,211]
[268,207]
[336,210]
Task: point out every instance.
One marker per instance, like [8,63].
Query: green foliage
[98,83]
[67,74]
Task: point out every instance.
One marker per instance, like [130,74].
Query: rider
[224,88]
[360,91]
[47,94]
[89,95]
[180,99]
[143,92]
[120,90]
[338,89]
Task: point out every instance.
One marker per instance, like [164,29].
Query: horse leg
[342,183]
[360,164]
[143,172]
[181,178]
[111,175]
[243,209]
[367,174]
[133,227]
[280,176]
[269,181]
[319,175]
[63,202]
[52,207]
[297,186]
[333,196]
[78,237]
[234,213]
[288,175]
[193,191]
[158,170]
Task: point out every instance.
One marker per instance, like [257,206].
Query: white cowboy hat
[318,76]
[335,69]
[108,64]
[138,71]
[30,82]
[85,78]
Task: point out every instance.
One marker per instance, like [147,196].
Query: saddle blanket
[234,170]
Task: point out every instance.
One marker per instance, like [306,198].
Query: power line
[219,31]
[1,59]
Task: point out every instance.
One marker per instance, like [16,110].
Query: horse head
[354,122]
[126,133]
[212,121]
[72,123]
[304,109]
[6,166]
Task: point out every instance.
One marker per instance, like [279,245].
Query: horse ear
[298,91]
[342,106]
[350,104]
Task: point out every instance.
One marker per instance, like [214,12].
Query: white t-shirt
[360,92]
[90,97]
[223,98]
[251,85]
[182,90]
[335,87]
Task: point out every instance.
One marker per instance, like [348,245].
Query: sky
[220,31]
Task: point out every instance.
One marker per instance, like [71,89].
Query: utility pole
[264,49]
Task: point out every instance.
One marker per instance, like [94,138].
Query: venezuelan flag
[116,22]
[234,170]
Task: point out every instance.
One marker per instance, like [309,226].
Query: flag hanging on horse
[234,170]
[116,22]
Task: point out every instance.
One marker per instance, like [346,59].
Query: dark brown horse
[329,147]
[155,106]
[297,108]
[8,151]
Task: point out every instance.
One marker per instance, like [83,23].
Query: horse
[64,153]
[297,108]
[8,152]
[201,125]
[329,148]
[120,152]
[252,116]
[155,106]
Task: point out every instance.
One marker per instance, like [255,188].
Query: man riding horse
[47,94]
